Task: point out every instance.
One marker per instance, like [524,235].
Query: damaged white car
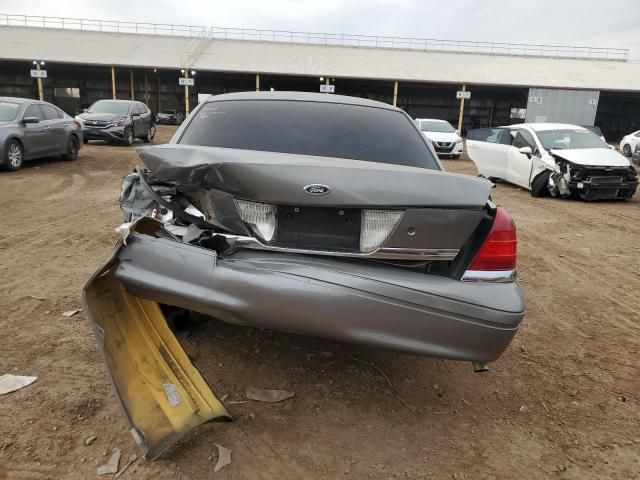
[554,159]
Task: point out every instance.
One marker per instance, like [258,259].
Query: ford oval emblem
[317,189]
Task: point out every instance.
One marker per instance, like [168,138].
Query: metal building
[91,59]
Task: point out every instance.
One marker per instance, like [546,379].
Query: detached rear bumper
[359,302]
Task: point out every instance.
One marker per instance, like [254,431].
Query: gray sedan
[30,129]
[316,214]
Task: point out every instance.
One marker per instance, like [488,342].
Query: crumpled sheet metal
[162,394]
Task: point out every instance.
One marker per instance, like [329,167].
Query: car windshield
[8,111]
[311,128]
[117,108]
[436,126]
[570,139]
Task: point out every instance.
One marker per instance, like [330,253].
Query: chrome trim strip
[490,276]
[380,253]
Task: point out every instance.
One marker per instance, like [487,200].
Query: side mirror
[30,120]
[526,151]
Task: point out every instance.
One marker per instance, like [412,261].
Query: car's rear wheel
[72,149]
[14,154]
[150,134]
[626,150]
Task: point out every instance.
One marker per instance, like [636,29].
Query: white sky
[612,23]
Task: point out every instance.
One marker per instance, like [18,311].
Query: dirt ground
[563,402]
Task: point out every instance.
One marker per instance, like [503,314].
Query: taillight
[78,124]
[498,252]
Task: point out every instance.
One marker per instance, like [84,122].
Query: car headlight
[122,122]
[458,140]
[261,218]
[376,227]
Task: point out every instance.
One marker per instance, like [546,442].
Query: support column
[113,82]
[464,89]
[395,93]
[186,93]
[257,82]
[40,94]
[158,93]
[133,94]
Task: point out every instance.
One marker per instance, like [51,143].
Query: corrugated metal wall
[563,106]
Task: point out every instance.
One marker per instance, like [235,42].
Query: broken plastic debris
[112,465]
[71,313]
[10,383]
[132,458]
[270,396]
[224,458]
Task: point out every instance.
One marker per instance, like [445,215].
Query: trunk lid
[281,178]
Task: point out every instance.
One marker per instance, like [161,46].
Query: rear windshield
[565,139]
[310,128]
[105,106]
[8,111]
[436,126]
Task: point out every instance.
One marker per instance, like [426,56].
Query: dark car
[170,117]
[31,129]
[118,121]
[323,215]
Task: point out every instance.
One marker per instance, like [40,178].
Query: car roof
[300,97]
[541,127]
[117,101]
[17,100]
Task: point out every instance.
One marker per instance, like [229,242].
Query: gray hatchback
[31,129]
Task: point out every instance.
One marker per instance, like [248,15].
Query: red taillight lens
[78,124]
[499,250]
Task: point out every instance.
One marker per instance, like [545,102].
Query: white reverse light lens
[261,217]
[376,227]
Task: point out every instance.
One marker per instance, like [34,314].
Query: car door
[145,117]
[489,149]
[137,121]
[56,128]
[519,165]
[35,134]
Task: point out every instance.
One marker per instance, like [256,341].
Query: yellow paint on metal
[40,94]
[395,93]
[464,89]
[133,92]
[113,82]
[257,82]
[161,392]
[186,93]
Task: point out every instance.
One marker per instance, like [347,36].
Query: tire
[540,185]
[128,138]
[14,153]
[72,149]
[626,150]
[151,133]
[85,140]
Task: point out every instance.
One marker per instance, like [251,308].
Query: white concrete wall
[100,48]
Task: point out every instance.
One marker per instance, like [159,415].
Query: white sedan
[554,159]
[629,142]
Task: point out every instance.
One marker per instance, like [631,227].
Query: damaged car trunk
[320,215]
